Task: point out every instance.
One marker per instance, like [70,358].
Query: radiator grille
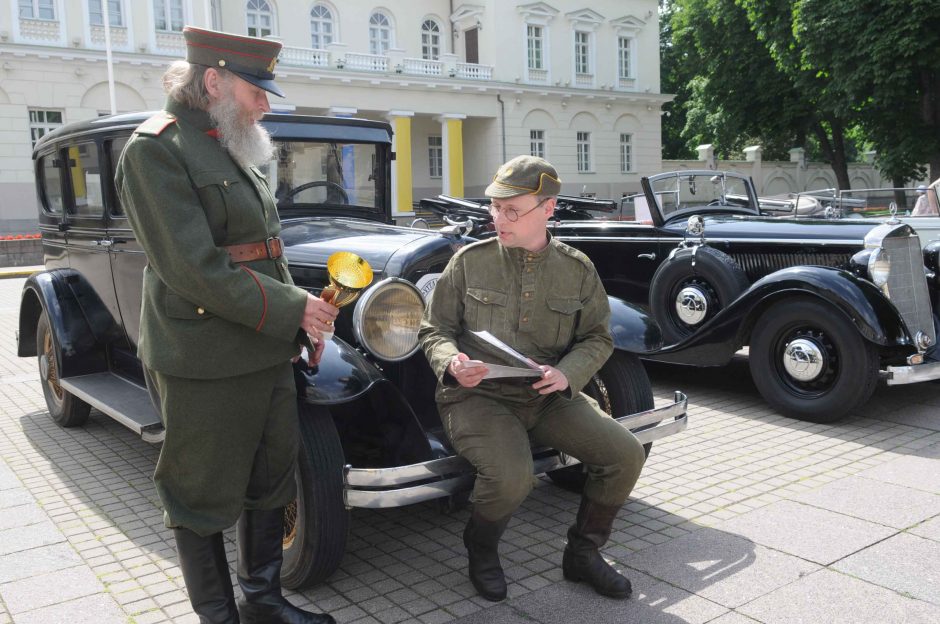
[757,265]
[907,284]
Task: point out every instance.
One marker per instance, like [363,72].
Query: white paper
[506,349]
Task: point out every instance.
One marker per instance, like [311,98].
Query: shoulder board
[156,124]
[577,254]
[477,244]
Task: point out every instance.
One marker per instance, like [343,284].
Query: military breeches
[231,444]
[496,437]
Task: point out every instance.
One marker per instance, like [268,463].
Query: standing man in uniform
[220,322]
[545,300]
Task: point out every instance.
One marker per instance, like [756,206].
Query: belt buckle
[268,243]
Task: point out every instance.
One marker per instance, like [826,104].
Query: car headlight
[879,267]
[387,318]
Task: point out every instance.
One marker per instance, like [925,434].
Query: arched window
[260,18]
[380,33]
[321,27]
[430,40]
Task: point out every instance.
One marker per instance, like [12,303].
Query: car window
[115,147]
[323,174]
[85,178]
[674,193]
[878,203]
[51,184]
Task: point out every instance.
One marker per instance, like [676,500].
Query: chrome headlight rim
[363,305]
[879,267]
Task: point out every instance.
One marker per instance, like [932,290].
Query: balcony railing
[538,75]
[422,67]
[473,71]
[170,43]
[366,62]
[39,29]
[627,83]
[304,57]
[118,36]
[584,80]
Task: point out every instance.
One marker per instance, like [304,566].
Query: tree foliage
[819,74]
[885,56]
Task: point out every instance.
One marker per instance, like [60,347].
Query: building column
[452,144]
[402,180]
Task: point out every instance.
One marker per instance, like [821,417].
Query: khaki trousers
[231,444]
[495,436]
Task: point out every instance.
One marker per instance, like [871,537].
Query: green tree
[748,82]
[884,55]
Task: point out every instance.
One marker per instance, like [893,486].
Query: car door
[127,256]
[87,239]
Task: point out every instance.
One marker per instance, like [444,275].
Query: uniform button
[486,298]
[529,270]
[526,295]
[200,311]
[525,319]
[225,183]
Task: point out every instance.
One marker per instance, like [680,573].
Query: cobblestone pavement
[746,517]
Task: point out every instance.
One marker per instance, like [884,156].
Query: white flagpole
[106,10]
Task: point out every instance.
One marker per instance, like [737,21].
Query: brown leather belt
[271,248]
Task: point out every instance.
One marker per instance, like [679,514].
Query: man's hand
[313,358]
[467,372]
[318,317]
[553,380]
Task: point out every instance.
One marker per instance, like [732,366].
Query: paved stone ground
[746,517]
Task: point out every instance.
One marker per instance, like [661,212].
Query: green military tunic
[216,335]
[551,306]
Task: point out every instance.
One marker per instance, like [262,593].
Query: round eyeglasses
[512,215]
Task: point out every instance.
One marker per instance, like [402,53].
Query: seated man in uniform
[545,300]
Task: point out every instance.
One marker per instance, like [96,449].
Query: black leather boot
[205,571]
[582,561]
[259,536]
[481,537]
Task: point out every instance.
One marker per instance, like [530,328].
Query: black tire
[714,278]
[66,409]
[849,364]
[316,524]
[620,387]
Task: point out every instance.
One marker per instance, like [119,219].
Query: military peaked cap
[525,175]
[250,58]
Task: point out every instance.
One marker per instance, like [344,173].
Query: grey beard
[246,141]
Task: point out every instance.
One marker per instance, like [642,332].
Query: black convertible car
[825,307]
[370,432]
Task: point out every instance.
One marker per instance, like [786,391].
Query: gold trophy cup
[349,275]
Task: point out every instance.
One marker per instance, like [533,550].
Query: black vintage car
[371,434]
[825,307]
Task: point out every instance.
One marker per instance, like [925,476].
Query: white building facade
[465,86]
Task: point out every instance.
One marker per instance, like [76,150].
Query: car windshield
[674,193]
[308,174]
[878,202]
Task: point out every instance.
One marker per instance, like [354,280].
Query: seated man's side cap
[525,175]
[250,58]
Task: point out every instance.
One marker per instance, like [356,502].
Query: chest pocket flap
[487,296]
[564,305]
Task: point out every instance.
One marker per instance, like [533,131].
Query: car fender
[632,329]
[79,321]
[860,301]
[343,374]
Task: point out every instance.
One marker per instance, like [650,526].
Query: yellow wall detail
[454,171]
[401,167]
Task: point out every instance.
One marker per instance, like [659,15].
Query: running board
[122,400]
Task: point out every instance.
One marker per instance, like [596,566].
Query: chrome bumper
[898,375]
[392,487]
